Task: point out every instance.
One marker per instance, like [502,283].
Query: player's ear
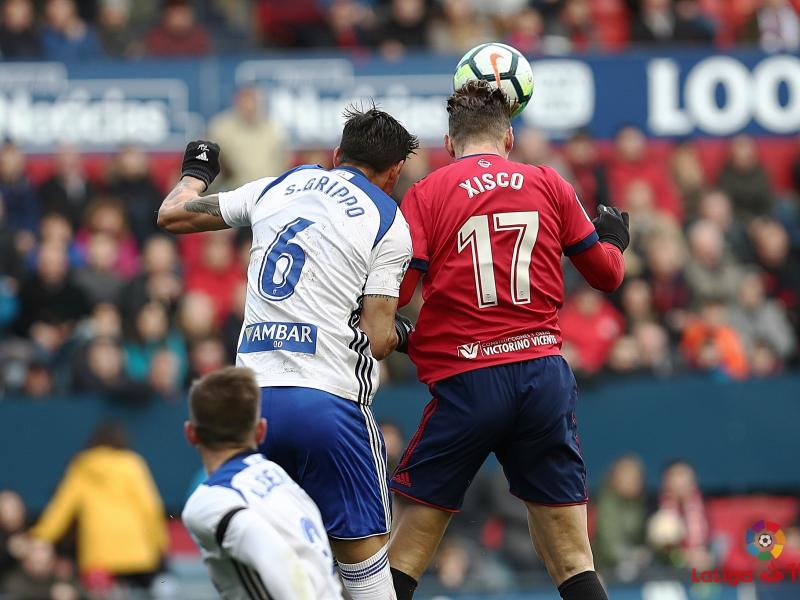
[337,157]
[392,175]
[448,145]
[261,431]
[508,140]
[190,433]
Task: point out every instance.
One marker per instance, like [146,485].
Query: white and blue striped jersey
[260,534]
[321,240]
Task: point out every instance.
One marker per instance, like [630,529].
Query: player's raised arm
[602,264]
[184,210]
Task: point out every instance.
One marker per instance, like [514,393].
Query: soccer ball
[501,65]
[765,540]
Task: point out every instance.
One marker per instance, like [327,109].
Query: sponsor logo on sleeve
[517,343]
[270,336]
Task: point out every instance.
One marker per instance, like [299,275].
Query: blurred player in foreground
[260,534]
[330,249]
[489,234]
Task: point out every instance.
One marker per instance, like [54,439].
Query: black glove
[612,226]
[403,327]
[201,160]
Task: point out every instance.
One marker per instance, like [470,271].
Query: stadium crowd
[81,29]
[94,299]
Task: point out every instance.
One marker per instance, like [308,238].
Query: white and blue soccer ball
[501,65]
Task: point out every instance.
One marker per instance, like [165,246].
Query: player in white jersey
[260,534]
[330,249]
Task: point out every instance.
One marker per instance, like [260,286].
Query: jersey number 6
[475,234]
[283,262]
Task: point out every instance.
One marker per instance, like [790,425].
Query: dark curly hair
[374,138]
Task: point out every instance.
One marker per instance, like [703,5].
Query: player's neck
[472,149]
[214,459]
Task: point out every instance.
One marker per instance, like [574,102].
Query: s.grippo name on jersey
[515,343]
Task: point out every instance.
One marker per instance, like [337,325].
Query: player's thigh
[542,457]
[465,420]
[335,451]
[356,551]
[560,536]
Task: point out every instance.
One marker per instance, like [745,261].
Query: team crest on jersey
[484,163]
[469,351]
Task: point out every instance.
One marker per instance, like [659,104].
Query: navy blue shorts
[524,412]
[334,450]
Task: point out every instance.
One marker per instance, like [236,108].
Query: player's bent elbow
[608,284]
[170,223]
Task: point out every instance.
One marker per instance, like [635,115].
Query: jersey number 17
[476,236]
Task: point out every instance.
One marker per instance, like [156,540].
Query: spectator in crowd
[575,30]
[715,207]
[107,216]
[458,565]
[631,162]
[679,529]
[195,317]
[624,358]
[745,181]
[50,294]
[10,260]
[711,345]
[349,26]
[664,268]
[619,539]
[637,302]
[118,36]
[68,190]
[531,146]
[109,491]
[660,22]
[205,356]
[97,278]
[151,333]
[66,36]
[710,271]
[20,201]
[217,273]
[526,31]
[100,369]
[12,526]
[55,228]
[130,181]
[167,375]
[406,27]
[761,321]
[775,26]
[458,28]
[158,279]
[688,175]
[37,578]
[394,443]
[253,144]
[588,173]
[590,325]
[232,326]
[655,354]
[781,268]
[178,34]
[19,38]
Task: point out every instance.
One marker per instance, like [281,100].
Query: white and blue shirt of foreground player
[321,240]
[260,534]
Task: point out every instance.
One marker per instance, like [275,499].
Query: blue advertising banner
[159,105]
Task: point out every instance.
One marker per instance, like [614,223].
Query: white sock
[370,579]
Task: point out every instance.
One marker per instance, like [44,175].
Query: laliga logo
[765,540]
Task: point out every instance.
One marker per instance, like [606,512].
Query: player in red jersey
[488,237]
